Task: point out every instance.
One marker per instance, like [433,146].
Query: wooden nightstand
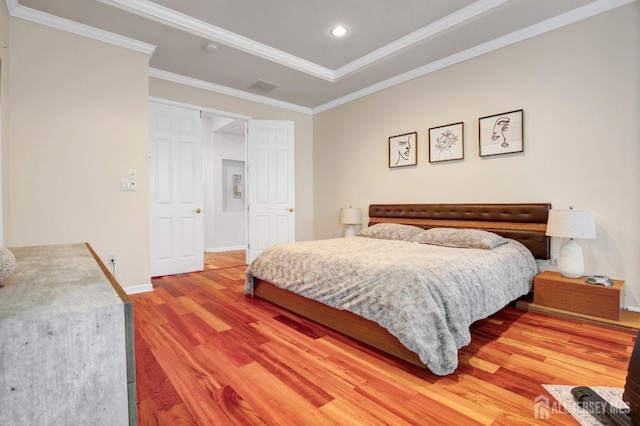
[552,290]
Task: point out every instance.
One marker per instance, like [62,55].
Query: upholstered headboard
[526,223]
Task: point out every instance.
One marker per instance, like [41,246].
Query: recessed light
[339,31]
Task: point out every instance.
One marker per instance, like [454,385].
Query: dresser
[66,341]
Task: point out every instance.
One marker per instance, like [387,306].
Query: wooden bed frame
[526,223]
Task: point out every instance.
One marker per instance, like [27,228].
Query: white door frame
[207,111]
[175,184]
[203,109]
[271,174]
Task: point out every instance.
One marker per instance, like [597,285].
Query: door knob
[290,209]
[198,210]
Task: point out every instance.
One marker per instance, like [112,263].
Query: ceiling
[286,43]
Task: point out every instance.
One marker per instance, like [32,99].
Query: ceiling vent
[263,86]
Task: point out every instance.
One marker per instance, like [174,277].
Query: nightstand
[552,290]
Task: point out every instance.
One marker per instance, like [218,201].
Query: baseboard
[631,308]
[219,249]
[135,289]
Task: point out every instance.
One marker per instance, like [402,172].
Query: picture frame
[501,133]
[403,150]
[446,142]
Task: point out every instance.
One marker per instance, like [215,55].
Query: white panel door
[271,185]
[175,184]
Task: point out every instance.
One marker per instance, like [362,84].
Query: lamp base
[350,231]
[571,261]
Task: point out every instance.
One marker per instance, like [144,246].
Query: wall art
[501,133]
[403,150]
[446,142]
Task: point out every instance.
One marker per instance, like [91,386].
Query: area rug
[562,394]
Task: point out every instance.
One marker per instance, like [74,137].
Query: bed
[413,295]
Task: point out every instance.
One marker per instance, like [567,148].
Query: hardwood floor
[207,354]
[224,259]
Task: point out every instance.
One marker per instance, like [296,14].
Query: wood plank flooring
[206,354]
[224,259]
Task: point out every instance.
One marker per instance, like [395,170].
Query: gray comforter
[425,295]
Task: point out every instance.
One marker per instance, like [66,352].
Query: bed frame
[526,223]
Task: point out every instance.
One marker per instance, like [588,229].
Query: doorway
[199,165]
[225,195]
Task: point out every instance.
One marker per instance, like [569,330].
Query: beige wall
[4,116]
[579,87]
[78,110]
[79,122]
[303,137]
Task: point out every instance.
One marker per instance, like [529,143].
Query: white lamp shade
[571,224]
[350,216]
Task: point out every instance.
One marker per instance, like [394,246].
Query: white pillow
[462,238]
[390,231]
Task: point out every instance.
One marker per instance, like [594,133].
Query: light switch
[127,185]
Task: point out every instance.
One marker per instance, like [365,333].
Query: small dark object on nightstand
[598,280]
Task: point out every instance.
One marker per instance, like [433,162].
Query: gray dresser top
[53,280]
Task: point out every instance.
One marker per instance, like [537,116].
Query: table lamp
[571,224]
[350,217]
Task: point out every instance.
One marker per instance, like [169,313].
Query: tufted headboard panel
[526,223]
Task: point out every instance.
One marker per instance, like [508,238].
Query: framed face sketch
[446,142]
[501,133]
[403,150]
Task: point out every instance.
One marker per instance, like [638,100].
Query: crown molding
[418,36]
[172,18]
[200,28]
[550,24]
[224,90]
[578,14]
[32,15]
[11,5]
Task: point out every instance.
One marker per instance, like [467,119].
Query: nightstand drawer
[552,290]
